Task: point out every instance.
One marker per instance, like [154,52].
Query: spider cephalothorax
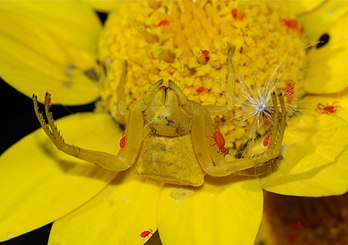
[164,113]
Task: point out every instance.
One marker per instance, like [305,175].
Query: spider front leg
[135,134]
[202,128]
[230,88]
[103,159]
[218,166]
[121,112]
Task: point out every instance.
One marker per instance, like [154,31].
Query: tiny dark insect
[323,40]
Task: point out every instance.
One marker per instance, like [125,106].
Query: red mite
[237,15]
[266,140]
[291,23]
[146,233]
[234,12]
[220,142]
[200,89]
[163,22]
[206,55]
[289,91]
[326,109]
[123,141]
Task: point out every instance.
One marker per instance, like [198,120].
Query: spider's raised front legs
[120,162]
[214,163]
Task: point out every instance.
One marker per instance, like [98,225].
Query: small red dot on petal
[146,233]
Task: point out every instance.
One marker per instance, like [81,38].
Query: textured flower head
[275,48]
[188,42]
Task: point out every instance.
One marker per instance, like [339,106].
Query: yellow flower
[304,220]
[52,46]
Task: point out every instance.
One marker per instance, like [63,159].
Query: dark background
[18,120]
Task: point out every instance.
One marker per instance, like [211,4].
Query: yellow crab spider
[169,138]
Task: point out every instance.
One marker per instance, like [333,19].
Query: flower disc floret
[188,41]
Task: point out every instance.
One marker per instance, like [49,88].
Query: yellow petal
[314,163]
[327,65]
[221,212]
[118,215]
[326,181]
[103,5]
[50,46]
[39,184]
[318,19]
[301,7]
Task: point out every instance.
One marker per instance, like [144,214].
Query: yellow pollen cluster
[188,42]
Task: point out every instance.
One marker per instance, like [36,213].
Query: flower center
[188,42]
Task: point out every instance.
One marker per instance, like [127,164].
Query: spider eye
[323,40]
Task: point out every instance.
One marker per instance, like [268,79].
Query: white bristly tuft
[256,104]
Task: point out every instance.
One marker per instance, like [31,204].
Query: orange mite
[220,142]
[146,233]
[123,141]
[326,109]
